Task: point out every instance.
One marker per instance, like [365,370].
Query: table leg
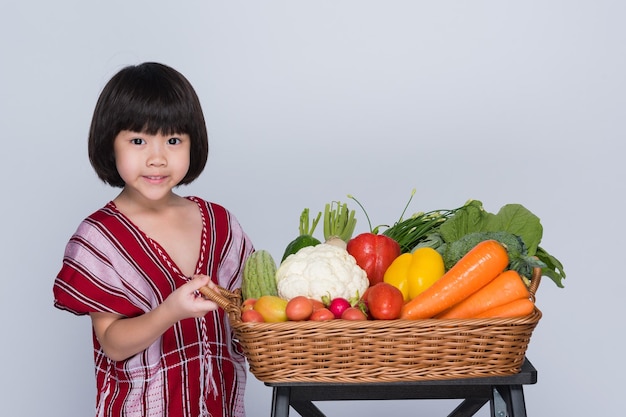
[513,395]
[280,401]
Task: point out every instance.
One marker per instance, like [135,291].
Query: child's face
[152,165]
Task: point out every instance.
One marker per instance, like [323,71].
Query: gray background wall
[307,102]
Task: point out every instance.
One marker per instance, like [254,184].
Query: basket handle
[534,282]
[221,296]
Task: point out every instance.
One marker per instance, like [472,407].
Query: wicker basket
[382,350]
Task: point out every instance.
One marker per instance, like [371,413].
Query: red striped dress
[194,368]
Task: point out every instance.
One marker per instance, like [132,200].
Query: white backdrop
[307,102]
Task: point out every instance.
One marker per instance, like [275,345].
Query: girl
[135,266]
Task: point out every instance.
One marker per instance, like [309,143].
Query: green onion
[408,233]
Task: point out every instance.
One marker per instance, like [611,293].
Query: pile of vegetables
[443,264]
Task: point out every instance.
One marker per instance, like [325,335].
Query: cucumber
[259,275]
[298,243]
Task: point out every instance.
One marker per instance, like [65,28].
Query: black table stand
[504,393]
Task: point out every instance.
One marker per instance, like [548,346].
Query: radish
[338,305]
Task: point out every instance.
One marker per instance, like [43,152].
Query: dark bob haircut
[148,98]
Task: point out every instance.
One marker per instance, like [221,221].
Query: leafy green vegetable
[516,219]
[470,218]
[554,268]
[511,218]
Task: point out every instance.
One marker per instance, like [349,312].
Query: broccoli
[519,260]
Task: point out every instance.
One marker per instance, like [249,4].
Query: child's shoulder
[108,211]
[101,215]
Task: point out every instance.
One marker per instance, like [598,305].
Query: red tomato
[353,313]
[299,308]
[385,301]
[317,304]
[322,314]
[373,253]
[252,316]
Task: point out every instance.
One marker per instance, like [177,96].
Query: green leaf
[554,267]
[516,219]
[468,219]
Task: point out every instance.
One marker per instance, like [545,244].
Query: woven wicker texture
[382,350]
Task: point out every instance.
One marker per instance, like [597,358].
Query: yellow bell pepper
[396,273]
[413,272]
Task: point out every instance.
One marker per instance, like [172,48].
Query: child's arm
[122,337]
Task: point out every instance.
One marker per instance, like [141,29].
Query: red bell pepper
[373,253]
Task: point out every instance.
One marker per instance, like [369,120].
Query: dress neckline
[156,246]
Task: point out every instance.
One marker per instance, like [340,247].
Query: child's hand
[187,302]
[122,337]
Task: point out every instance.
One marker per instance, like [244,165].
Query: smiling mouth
[155,177]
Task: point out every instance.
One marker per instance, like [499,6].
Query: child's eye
[173,141]
[137,141]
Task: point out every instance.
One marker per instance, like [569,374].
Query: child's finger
[201,281]
[203,284]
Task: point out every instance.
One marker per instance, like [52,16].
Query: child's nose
[156,156]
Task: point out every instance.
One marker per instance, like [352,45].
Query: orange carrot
[517,308]
[506,287]
[478,267]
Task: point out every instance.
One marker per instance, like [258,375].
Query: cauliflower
[321,270]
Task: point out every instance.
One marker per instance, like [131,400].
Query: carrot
[517,308]
[479,266]
[506,287]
